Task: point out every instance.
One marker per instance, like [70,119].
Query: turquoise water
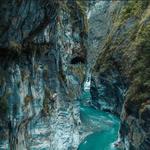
[103,126]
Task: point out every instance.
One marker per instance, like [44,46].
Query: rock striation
[42,57]
[48,48]
[120,77]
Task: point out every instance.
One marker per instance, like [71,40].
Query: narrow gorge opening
[74,74]
[99,129]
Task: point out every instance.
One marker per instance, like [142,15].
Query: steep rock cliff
[120,78]
[104,91]
[42,57]
[45,46]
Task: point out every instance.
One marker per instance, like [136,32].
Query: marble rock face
[120,76]
[49,48]
[42,57]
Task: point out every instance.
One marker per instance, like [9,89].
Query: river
[102,127]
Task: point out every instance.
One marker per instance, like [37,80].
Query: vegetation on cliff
[127,49]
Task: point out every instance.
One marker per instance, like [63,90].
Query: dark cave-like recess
[78,60]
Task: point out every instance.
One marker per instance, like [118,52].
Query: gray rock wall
[120,75]
[42,57]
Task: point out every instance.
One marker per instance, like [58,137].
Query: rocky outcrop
[108,86]
[99,23]
[120,78]
[42,57]
[45,46]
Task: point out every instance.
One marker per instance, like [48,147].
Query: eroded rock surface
[39,85]
[47,50]
[120,78]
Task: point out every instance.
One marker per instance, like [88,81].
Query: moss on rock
[127,49]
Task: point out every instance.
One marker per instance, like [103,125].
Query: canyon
[74,74]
